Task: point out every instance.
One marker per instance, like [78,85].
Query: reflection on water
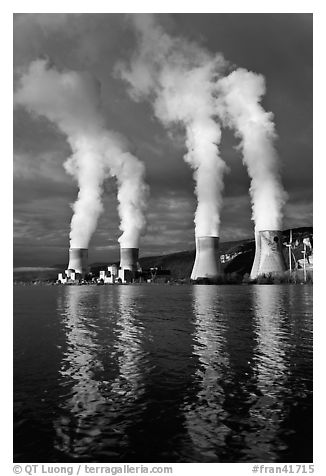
[205,415]
[79,422]
[270,318]
[166,373]
[248,356]
[270,369]
[102,370]
[284,340]
[128,345]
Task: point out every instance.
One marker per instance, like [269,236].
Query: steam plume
[178,77]
[238,105]
[71,101]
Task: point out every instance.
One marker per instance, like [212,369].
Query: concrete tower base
[128,264]
[207,262]
[269,258]
[78,260]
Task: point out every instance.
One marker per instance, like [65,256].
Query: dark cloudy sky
[279,46]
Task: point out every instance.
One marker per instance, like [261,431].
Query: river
[159,373]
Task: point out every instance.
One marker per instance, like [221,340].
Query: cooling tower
[78,258]
[255,265]
[268,256]
[207,262]
[129,258]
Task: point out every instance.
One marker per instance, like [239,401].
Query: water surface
[151,373]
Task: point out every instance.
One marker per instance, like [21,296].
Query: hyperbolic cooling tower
[268,256]
[129,258]
[207,262]
[78,258]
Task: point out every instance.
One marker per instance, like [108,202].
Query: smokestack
[129,258]
[207,263]
[268,256]
[78,260]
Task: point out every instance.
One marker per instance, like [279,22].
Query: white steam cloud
[187,85]
[71,100]
[238,105]
[179,77]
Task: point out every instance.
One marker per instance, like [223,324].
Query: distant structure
[307,262]
[128,264]
[269,258]
[77,267]
[110,275]
[207,262]
[128,270]
[78,260]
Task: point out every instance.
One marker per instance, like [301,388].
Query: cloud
[42,166]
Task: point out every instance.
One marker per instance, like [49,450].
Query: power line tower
[153,273]
[304,260]
[289,245]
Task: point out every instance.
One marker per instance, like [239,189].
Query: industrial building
[109,276]
[268,260]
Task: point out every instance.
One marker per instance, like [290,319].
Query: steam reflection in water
[205,415]
[247,377]
[270,369]
[100,371]
[128,345]
[79,422]
[283,326]
[183,374]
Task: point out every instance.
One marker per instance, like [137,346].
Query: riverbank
[295,277]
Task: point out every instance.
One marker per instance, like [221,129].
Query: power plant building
[127,270]
[110,275]
[268,260]
[77,267]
